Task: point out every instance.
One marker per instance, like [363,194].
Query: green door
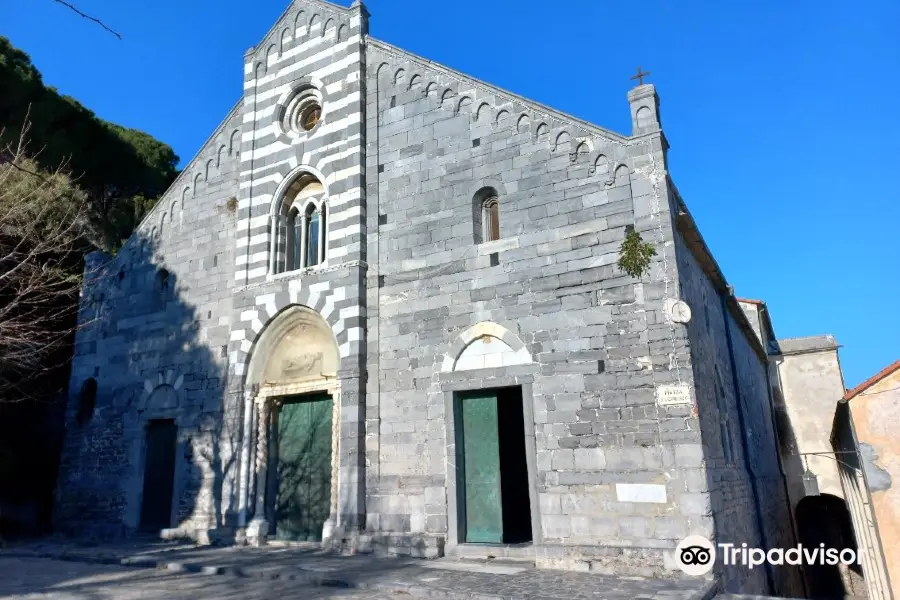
[477,429]
[303,471]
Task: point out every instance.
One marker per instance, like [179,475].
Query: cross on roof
[640,76]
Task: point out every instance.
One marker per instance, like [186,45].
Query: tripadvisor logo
[695,555]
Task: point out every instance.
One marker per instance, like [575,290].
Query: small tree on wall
[635,255]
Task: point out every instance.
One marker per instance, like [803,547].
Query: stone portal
[292,376]
[159,475]
[492,473]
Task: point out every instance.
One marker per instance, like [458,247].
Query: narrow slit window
[491,220]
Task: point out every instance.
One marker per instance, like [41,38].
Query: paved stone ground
[301,567]
[39,578]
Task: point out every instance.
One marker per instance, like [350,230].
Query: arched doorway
[293,371]
[824,519]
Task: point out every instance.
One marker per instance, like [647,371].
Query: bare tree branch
[88,17]
[43,222]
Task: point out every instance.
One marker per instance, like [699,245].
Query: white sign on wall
[641,492]
[676,393]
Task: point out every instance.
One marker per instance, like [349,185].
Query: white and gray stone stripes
[340,306]
[304,53]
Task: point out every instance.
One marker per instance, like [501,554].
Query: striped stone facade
[422,308]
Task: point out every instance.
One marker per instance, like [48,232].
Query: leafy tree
[123,171]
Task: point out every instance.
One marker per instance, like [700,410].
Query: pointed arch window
[299,229]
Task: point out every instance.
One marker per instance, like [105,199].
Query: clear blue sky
[782,116]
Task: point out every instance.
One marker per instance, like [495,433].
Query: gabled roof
[895,366]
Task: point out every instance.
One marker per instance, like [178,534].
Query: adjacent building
[867,444]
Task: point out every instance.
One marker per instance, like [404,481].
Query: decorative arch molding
[487,183]
[167,384]
[297,346]
[322,303]
[381,71]
[288,174]
[523,125]
[510,346]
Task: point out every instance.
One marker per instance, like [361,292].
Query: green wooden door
[481,467]
[303,500]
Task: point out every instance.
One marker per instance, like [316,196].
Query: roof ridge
[888,370]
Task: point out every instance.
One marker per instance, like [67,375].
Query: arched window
[294,240]
[313,235]
[299,228]
[87,400]
[162,288]
[491,218]
[486,215]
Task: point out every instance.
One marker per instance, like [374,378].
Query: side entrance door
[478,482]
[303,467]
[159,475]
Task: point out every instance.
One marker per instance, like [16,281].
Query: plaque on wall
[641,492]
[676,393]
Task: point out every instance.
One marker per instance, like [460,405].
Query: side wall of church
[598,338]
[739,443]
[156,349]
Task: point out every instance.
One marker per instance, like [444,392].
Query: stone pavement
[45,579]
[309,566]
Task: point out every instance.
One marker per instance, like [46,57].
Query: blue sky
[781,116]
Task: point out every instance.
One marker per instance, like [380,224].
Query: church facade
[381,310]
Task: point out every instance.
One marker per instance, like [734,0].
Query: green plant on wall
[635,255]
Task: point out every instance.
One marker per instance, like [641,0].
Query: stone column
[249,397]
[321,249]
[273,244]
[258,529]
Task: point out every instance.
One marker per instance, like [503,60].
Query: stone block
[556,526]
[589,459]
[562,460]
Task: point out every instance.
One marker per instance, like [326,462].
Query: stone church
[381,310]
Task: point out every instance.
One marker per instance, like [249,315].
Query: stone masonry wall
[598,339]
[748,455]
[762,451]
[157,354]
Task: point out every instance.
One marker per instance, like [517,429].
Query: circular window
[310,116]
[302,111]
